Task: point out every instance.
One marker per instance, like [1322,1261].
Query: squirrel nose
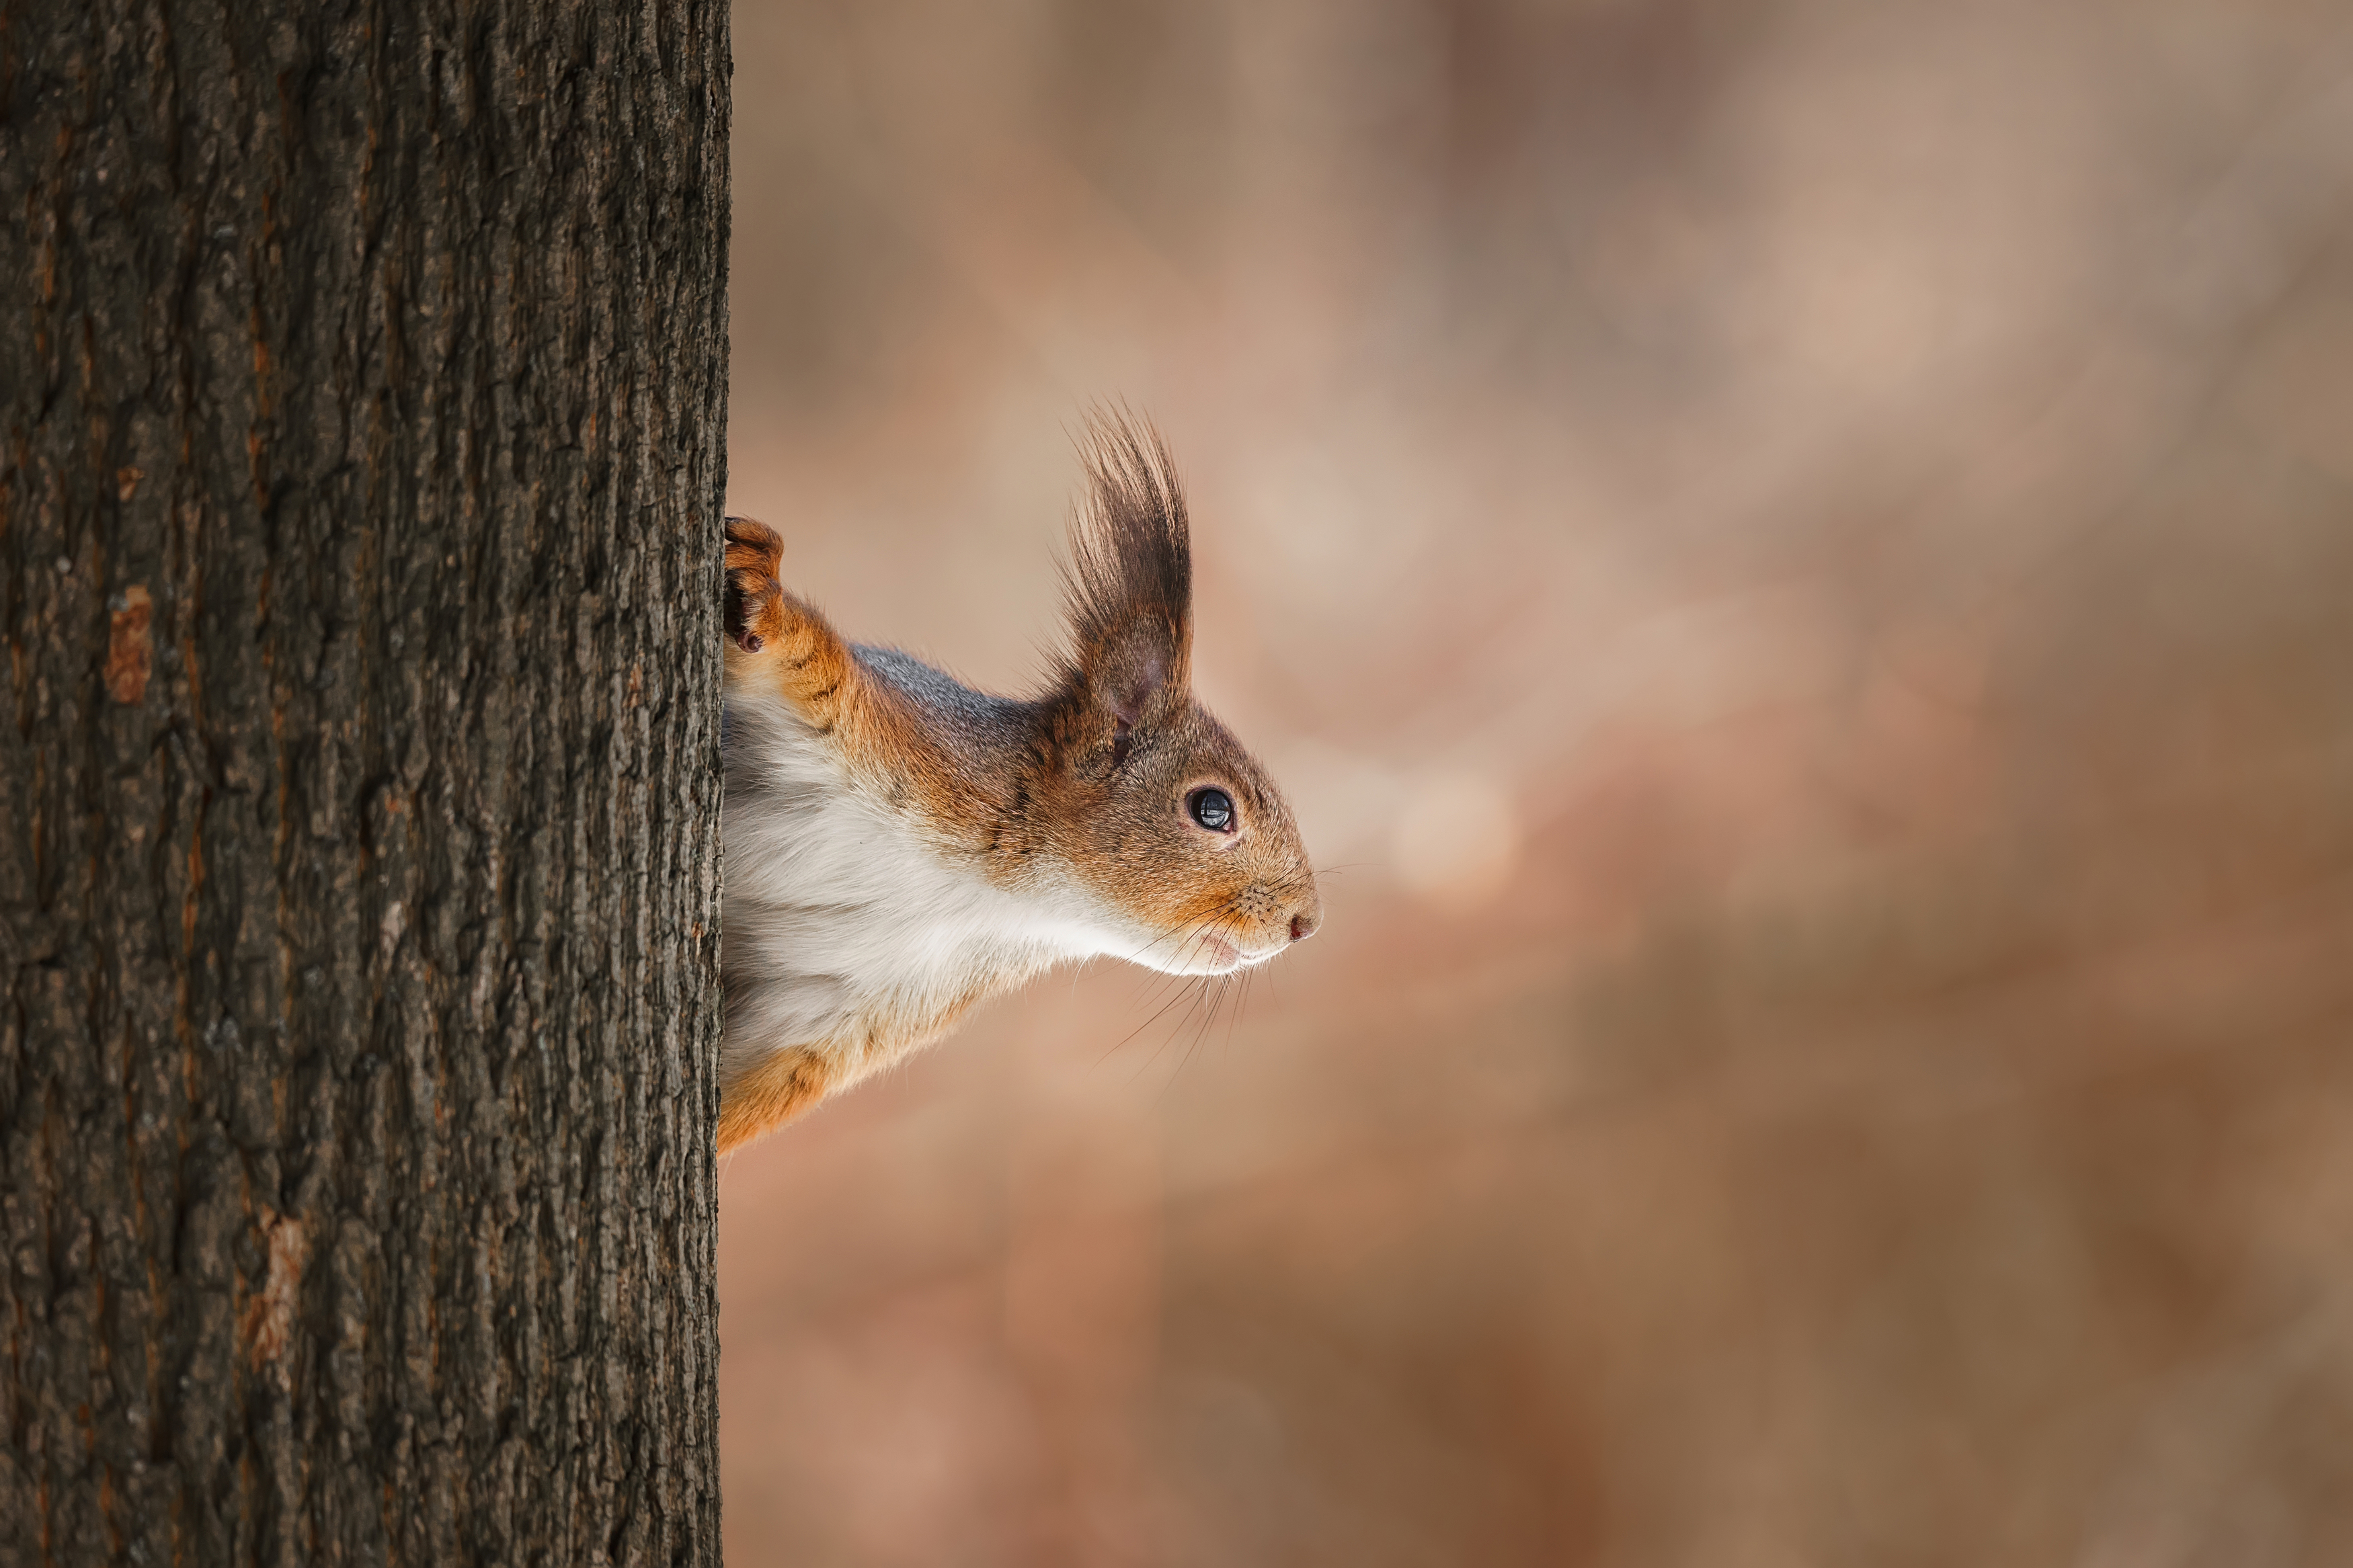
[1303,924]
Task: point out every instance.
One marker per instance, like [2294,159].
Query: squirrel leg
[771,1094]
[775,638]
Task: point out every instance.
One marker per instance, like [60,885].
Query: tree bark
[362,399]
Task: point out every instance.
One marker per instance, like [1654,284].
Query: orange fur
[771,1094]
[876,732]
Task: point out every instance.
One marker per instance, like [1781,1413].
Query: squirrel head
[1163,816]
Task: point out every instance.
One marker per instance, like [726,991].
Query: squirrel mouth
[1221,953]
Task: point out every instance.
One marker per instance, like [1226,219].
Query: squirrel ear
[1130,577]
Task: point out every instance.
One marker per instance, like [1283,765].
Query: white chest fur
[845,919]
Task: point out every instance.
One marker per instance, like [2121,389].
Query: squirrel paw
[786,643]
[755,598]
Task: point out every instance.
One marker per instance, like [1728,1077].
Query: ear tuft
[1130,578]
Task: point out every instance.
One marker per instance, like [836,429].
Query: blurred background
[1795,561]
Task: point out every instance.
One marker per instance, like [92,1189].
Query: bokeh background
[1796,560]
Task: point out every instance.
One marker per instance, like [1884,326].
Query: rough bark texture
[362,381]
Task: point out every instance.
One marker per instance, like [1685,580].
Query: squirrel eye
[1213,809]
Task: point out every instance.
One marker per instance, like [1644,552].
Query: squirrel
[897,847]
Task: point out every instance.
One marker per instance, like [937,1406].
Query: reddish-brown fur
[1080,795]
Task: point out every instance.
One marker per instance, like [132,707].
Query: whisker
[1162,979]
[1198,993]
[1223,912]
[1209,1025]
[1249,978]
[1208,995]
[1227,992]
[1203,1001]
[1147,1022]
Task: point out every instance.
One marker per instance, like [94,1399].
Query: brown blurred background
[1797,560]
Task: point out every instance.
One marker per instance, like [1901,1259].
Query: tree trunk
[362,388]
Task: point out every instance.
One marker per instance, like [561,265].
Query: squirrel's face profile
[899,846]
[1163,816]
[1170,822]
